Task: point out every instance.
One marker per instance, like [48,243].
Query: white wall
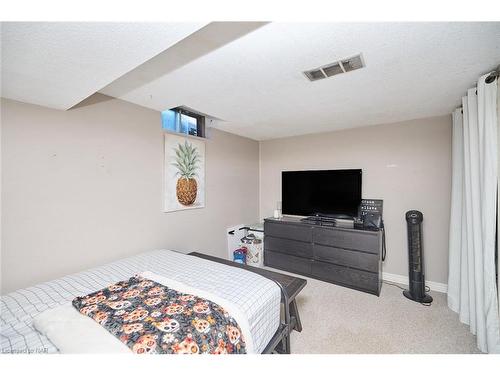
[407,164]
[84,187]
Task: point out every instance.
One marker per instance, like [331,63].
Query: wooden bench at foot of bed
[290,287]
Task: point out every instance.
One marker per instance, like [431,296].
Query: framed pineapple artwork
[184,173]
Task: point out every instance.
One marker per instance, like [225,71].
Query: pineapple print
[186,162]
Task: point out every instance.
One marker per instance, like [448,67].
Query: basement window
[184,121]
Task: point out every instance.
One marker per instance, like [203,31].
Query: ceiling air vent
[333,69]
[338,67]
[353,63]
[315,74]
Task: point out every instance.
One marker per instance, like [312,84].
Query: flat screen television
[324,192]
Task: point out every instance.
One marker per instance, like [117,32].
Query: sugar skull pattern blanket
[150,318]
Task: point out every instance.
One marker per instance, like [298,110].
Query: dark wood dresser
[347,257]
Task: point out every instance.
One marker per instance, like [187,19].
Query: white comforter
[73,332]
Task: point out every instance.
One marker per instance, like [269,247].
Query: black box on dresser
[346,257]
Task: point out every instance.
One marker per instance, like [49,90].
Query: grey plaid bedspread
[257,296]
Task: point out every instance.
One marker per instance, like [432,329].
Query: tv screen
[327,192]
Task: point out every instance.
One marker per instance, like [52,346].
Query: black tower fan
[416,290]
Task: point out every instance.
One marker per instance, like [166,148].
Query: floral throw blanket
[149,318]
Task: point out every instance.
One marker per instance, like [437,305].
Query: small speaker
[416,288]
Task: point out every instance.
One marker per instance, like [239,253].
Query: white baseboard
[400,279]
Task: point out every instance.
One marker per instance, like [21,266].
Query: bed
[259,297]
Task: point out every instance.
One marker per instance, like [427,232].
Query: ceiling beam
[205,40]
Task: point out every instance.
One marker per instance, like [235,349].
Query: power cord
[391,284]
[427,289]
[384,247]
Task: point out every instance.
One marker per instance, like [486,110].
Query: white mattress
[255,295]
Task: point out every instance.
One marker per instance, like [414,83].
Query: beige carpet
[341,320]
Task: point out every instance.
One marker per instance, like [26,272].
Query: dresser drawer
[357,279]
[288,231]
[349,258]
[290,247]
[359,240]
[287,262]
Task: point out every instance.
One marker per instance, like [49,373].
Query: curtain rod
[491,78]
[493,75]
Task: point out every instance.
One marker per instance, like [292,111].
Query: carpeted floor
[341,320]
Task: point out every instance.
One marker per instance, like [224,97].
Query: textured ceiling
[59,64]
[250,74]
[255,83]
